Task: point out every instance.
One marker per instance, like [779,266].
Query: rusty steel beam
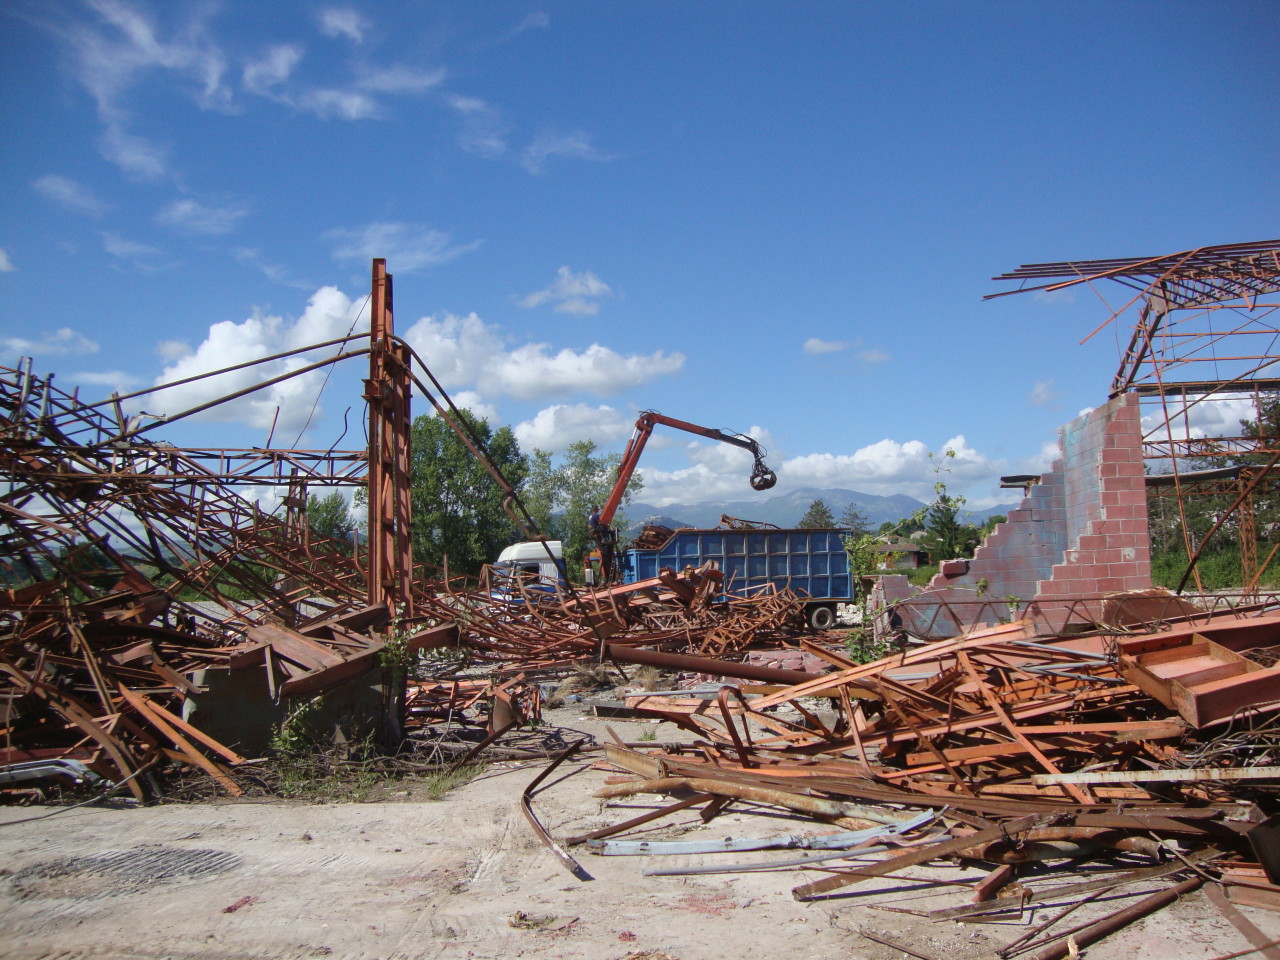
[387,392]
[721,668]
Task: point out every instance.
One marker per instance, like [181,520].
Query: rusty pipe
[801,803]
[720,668]
[1053,843]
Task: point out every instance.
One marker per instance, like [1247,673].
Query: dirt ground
[465,877]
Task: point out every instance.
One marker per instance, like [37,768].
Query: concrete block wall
[1081,532]
[1109,542]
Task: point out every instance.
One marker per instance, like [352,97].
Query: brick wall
[1080,533]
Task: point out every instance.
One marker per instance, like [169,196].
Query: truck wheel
[822,618]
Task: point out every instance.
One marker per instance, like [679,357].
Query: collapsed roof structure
[148,601]
[1204,337]
[1198,360]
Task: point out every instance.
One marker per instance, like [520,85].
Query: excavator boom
[762,478]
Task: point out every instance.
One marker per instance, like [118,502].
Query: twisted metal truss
[75,477]
[1203,351]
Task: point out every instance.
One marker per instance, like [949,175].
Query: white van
[537,563]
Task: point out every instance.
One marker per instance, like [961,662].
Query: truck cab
[535,564]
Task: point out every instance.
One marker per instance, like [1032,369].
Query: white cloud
[125,43]
[115,379]
[573,293]
[717,471]
[139,158]
[338,22]
[537,20]
[483,131]
[1219,416]
[815,346]
[272,271]
[329,314]
[172,350]
[470,400]
[465,352]
[400,79]
[140,255]
[343,104]
[263,75]
[532,371]
[1042,461]
[575,146]
[69,194]
[466,105]
[406,246]
[457,349]
[1065,296]
[1042,394]
[113,51]
[192,216]
[888,467]
[6,265]
[60,342]
[269,75]
[557,426]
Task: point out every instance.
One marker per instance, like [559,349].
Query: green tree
[540,491]
[560,498]
[818,515]
[944,534]
[457,506]
[854,520]
[329,517]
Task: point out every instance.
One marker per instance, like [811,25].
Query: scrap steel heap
[137,573]
[140,579]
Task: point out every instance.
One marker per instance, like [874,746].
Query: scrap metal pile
[998,747]
[132,571]
[533,628]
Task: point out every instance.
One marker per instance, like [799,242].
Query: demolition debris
[156,620]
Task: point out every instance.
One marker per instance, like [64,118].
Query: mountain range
[786,509]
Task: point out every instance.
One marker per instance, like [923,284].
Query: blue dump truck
[809,561]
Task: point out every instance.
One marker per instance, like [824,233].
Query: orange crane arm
[762,478]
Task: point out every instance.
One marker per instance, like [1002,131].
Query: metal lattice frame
[1205,334]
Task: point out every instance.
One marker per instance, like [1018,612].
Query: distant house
[900,554]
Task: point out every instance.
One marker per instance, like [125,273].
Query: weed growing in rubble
[647,677]
[438,784]
[395,657]
[308,767]
[294,736]
[1014,605]
[862,647]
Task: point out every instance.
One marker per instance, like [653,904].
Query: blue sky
[770,217]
